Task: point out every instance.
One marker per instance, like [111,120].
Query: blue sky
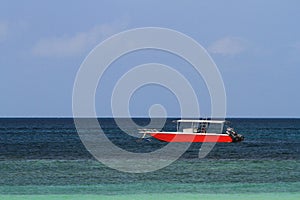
[255,44]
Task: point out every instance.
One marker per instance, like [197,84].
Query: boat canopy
[201,121]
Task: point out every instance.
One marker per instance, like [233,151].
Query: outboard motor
[235,137]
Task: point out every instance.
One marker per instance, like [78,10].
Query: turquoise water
[177,196]
[91,177]
[44,158]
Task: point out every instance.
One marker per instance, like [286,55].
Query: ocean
[44,158]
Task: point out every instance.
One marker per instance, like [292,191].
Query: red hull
[190,137]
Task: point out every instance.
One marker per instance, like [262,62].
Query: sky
[255,45]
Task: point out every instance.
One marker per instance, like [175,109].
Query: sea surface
[44,158]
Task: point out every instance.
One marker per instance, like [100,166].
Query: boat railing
[147,130]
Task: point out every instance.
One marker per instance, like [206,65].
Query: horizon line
[245,117]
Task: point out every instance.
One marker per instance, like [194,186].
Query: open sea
[44,158]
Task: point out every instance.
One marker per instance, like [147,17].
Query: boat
[197,131]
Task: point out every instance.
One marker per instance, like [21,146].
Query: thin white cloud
[228,46]
[76,44]
[3,31]
[296,45]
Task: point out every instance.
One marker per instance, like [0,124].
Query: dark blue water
[58,139]
[49,152]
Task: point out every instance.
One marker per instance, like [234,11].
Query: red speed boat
[198,131]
